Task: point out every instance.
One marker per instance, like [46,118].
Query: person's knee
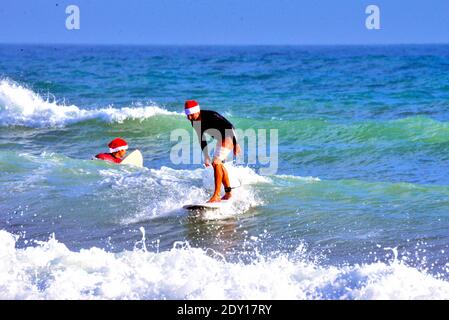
[216,163]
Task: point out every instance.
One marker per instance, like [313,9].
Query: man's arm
[205,150]
[203,144]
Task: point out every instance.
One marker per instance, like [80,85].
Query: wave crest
[20,106]
[50,270]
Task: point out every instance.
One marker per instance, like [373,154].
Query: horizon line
[225,45]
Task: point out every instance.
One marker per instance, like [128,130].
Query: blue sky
[224,22]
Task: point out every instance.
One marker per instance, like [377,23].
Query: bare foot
[214,199]
[227,196]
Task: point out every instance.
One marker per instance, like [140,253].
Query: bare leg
[218,175]
[226,183]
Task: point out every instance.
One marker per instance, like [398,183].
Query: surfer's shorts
[221,152]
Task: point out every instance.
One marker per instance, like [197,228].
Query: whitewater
[356,210]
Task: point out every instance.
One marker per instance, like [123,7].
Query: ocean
[357,207]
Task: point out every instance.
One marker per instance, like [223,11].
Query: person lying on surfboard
[117,151]
[217,126]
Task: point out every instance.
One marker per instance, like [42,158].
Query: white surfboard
[134,158]
[208,206]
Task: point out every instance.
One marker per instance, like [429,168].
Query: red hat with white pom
[117,144]
[191,107]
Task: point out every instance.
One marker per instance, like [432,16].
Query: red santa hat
[117,144]
[191,107]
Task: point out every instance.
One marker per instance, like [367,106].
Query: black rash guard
[213,121]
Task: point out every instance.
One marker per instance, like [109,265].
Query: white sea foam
[305,179]
[151,193]
[21,106]
[166,190]
[50,270]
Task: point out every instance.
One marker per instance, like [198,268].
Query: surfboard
[208,206]
[134,158]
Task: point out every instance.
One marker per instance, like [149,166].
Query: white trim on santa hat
[111,150]
[192,110]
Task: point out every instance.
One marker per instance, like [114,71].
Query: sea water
[357,209]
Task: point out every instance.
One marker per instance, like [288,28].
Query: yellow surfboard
[134,158]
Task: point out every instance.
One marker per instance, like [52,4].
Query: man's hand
[237,150]
[207,161]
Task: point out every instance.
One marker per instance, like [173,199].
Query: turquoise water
[357,208]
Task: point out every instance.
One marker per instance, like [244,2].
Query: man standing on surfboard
[217,126]
[117,150]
